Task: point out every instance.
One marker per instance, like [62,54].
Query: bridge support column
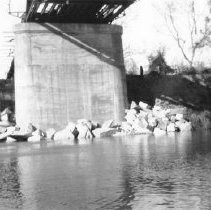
[64,72]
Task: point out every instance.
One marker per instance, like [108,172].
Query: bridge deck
[75,11]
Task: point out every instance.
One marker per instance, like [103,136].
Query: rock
[173,118]
[39,132]
[126,127]
[109,124]
[12,129]
[179,117]
[142,131]
[104,132]
[130,117]
[28,128]
[175,111]
[20,135]
[163,123]
[158,131]
[142,114]
[23,133]
[152,121]
[140,123]
[3,136]
[3,129]
[157,108]
[35,138]
[10,140]
[84,131]
[159,114]
[86,122]
[134,105]
[95,125]
[50,133]
[132,112]
[5,115]
[63,135]
[171,127]
[5,124]
[143,105]
[185,126]
[71,127]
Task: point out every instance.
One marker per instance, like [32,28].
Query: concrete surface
[64,72]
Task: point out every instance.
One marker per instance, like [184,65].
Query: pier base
[64,72]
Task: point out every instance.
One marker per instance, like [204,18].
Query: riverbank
[141,118]
[169,103]
[189,91]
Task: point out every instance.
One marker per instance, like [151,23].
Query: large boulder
[126,127]
[39,132]
[142,114]
[12,129]
[159,114]
[152,121]
[131,116]
[63,135]
[23,133]
[104,132]
[171,127]
[172,118]
[158,131]
[183,126]
[86,122]
[3,136]
[5,124]
[163,123]
[139,123]
[179,117]
[50,133]
[84,131]
[35,138]
[110,124]
[5,115]
[140,130]
[71,127]
[143,105]
[3,129]
[133,105]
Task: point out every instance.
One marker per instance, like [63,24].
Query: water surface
[133,172]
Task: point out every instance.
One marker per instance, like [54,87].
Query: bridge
[69,62]
[75,11]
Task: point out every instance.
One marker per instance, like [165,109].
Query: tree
[189,26]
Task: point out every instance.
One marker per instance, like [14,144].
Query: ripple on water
[135,172]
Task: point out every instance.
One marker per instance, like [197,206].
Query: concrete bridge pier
[64,72]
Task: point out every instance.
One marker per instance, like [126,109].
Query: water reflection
[10,193]
[133,172]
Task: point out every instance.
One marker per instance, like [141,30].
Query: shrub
[157,63]
[199,119]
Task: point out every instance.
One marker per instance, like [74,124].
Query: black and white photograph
[105,104]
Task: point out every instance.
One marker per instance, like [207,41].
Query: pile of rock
[139,119]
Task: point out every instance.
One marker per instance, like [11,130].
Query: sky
[144,31]
[6,32]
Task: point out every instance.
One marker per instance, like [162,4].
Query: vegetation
[195,33]
[157,63]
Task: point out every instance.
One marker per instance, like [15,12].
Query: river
[130,172]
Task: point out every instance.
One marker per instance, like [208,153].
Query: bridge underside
[75,11]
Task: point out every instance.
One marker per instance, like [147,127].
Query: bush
[199,119]
[157,63]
